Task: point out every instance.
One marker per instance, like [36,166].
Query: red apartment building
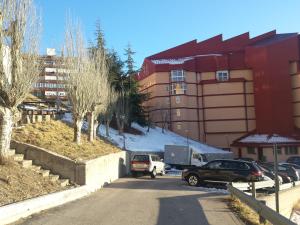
[241,93]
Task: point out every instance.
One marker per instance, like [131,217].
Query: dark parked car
[245,159]
[294,160]
[283,171]
[297,167]
[223,171]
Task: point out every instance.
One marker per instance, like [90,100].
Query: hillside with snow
[154,140]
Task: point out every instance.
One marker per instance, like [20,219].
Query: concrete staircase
[44,173]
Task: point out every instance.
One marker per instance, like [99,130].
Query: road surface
[142,201]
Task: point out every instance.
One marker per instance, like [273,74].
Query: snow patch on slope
[154,140]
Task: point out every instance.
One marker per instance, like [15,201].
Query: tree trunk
[107,122]
[119,124]
[96,128]
[6,124]
[91,121]
[77,130]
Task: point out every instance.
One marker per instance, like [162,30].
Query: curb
[13,212]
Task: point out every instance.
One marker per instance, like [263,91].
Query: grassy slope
[58,137]
[17,184]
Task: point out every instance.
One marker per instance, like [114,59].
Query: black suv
[223,171]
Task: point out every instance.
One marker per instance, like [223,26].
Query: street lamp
[276,176]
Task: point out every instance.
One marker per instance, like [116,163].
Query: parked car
[294,160]
[147,164]
[269,174]
[284,172]
[245,159]
[223,171]
[296,167]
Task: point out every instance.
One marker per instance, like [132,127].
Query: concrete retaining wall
[96,172]
[13,212]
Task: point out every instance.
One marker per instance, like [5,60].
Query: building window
[251,150]
[178,112]
[291,150]
[178,88]
[178,126]
[177,99]
[177,75]
[222,75]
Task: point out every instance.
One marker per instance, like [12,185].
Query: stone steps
[35,168]
[11,152]
[44,173]
[26,163]
[64,182]
[18,157]
[54,177]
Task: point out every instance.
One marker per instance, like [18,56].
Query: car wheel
[193,180]
[153,173]
[163,172]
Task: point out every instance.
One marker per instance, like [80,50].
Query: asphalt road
[142,201]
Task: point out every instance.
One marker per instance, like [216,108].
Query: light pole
[276,176]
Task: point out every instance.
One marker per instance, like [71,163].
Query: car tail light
[256,173]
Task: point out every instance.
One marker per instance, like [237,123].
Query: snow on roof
[154,140]
[179,60]
[265,138]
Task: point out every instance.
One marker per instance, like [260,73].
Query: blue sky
[155,25]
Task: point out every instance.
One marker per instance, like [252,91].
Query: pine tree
[100,40]
[136,99]
[129,62]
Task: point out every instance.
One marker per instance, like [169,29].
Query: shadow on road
[160,183]
[182,210]
[145,183]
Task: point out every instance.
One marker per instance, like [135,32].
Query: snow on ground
[209,189]
[154,140]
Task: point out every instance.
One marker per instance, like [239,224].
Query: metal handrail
[263,210]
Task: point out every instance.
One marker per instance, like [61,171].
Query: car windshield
[141,158]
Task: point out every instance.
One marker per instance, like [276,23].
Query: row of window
[48,85]
[288,150]
[179,75]
[180,87]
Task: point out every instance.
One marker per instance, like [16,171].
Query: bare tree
[80,77]
[100,91]
[19,65]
